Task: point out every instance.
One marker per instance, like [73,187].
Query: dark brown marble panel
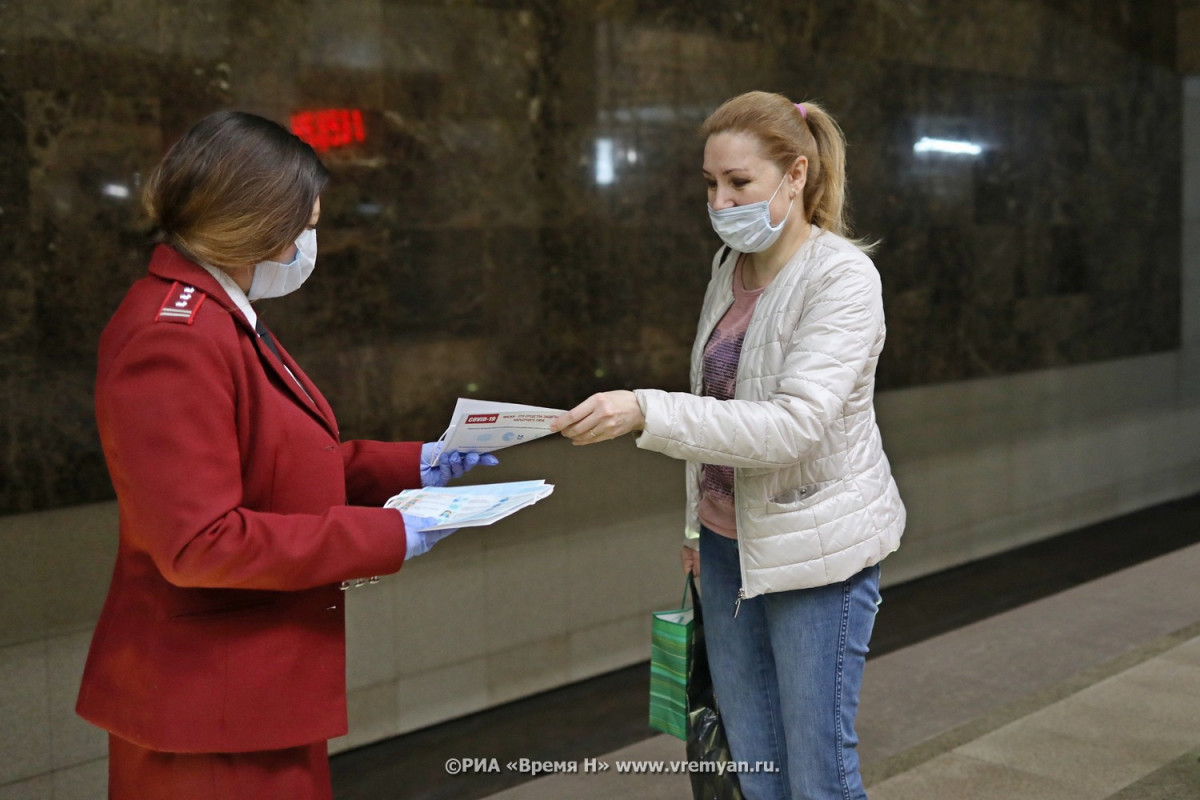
[1187,40]
[525,218]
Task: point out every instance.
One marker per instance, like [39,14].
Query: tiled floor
[1068,669]
[1102,740]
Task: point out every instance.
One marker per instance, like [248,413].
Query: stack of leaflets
[469,506]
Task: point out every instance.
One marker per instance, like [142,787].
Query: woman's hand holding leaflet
[451,465]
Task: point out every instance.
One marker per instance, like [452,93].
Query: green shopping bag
[670,643]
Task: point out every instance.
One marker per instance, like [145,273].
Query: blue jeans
[787,673]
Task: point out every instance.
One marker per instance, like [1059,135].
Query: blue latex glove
[451,465]
[419,540]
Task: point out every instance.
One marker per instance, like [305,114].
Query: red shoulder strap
[181,304]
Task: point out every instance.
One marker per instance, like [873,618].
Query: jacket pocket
[802,497]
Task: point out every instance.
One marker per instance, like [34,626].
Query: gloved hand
[451,465]
[418,539]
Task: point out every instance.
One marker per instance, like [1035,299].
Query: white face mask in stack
[273,279]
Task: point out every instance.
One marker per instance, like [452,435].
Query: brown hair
[235,190]
[785,133]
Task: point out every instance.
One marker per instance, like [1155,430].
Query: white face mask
[748,228]
[273,279]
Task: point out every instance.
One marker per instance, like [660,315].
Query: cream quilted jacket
[814,495]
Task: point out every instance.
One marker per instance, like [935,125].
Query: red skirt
[297,773]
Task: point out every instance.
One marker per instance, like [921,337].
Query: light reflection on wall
[606,171]
[955,147]
[117,191]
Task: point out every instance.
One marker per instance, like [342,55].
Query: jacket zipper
[741,595]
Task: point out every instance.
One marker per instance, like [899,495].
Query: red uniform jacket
[223,629]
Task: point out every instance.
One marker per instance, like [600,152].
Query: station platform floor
[1065,670]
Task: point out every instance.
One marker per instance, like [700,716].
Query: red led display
[326,129]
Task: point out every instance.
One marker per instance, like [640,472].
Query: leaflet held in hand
[481,426]
[469,506]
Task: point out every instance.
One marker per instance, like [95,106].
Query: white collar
[243,303]
[235,293]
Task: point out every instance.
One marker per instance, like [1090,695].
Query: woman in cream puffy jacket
[790,495]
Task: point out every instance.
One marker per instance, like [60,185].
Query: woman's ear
[798,175]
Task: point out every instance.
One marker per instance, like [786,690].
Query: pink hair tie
[800,108]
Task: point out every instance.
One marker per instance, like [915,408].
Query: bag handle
[690,586]
[687,587]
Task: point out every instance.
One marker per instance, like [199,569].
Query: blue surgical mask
[273,279]
[748,228]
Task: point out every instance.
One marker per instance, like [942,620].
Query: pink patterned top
[721,357]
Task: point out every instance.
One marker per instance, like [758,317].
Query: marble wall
[523,219]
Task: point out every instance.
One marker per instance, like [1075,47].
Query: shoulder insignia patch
[181,304]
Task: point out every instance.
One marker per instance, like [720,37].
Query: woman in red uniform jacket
[218,663]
